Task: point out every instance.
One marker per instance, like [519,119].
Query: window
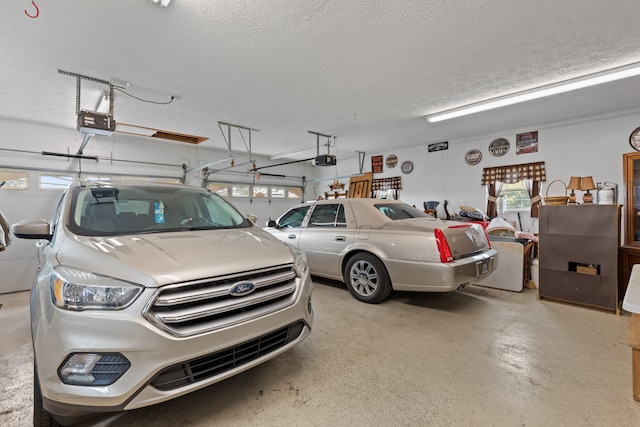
[240,190]
[294,192]
[288,192]
[257,191]
[143,208]
[293,218]
[328,216]
[220,188]
[399,211]
[516,197]
[14,180]
[97,178]
[54,182]
[278,192]
[260,191]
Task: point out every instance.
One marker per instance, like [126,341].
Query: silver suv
[147,292]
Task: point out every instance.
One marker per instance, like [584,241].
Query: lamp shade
[587,183]
[575,183]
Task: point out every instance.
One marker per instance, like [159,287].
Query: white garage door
[19,261]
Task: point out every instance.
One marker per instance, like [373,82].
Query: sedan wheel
[367,278]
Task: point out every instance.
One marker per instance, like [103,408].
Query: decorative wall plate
[499,147]
[473,157]
[407,167]
[392,160]
[634,139]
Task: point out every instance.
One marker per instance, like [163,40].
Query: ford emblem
[241,289]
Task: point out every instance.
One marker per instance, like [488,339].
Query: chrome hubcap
[364,278]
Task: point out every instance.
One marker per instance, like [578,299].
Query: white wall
[590,147]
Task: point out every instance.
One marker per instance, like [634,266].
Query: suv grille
[204,367]
[196,307]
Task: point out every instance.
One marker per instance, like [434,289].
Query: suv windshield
[144,208]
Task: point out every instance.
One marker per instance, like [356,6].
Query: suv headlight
[74,289]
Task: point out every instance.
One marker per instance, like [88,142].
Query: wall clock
[407,167]
[634,139]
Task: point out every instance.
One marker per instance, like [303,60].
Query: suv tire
[41,418]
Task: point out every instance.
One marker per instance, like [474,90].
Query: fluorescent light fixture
[292,153]
[613,74]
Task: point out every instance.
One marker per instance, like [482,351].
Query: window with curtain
[516,196]
[531,174]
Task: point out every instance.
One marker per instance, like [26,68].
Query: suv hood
[161,258]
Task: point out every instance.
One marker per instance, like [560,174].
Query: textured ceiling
[366,71]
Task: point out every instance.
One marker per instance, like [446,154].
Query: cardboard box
[586,269]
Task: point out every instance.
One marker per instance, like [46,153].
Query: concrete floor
[477,357]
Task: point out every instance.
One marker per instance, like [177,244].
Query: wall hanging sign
[499,147]
[438,146]
[473,157]
[634,139]
[376,164]
[407,167]
[527,142]
[392,160]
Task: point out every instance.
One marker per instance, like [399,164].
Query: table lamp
[587,184]
[574,184]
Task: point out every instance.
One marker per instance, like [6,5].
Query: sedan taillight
[486,236]
[443,246]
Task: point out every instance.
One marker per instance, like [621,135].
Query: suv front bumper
[155,356]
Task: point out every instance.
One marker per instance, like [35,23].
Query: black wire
[145,100]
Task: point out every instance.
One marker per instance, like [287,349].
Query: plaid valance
[514,173]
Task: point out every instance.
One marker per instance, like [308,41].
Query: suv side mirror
[32,229]
[272,223]
[252,218]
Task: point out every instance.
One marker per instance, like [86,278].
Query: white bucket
[535,271]
[605,196]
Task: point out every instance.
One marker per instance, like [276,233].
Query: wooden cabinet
[630,251]
[578,247]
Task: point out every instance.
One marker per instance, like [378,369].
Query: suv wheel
[367,278]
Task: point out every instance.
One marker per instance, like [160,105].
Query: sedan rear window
[397,211]
[127,209]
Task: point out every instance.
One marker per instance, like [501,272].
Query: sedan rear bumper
[419,276]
